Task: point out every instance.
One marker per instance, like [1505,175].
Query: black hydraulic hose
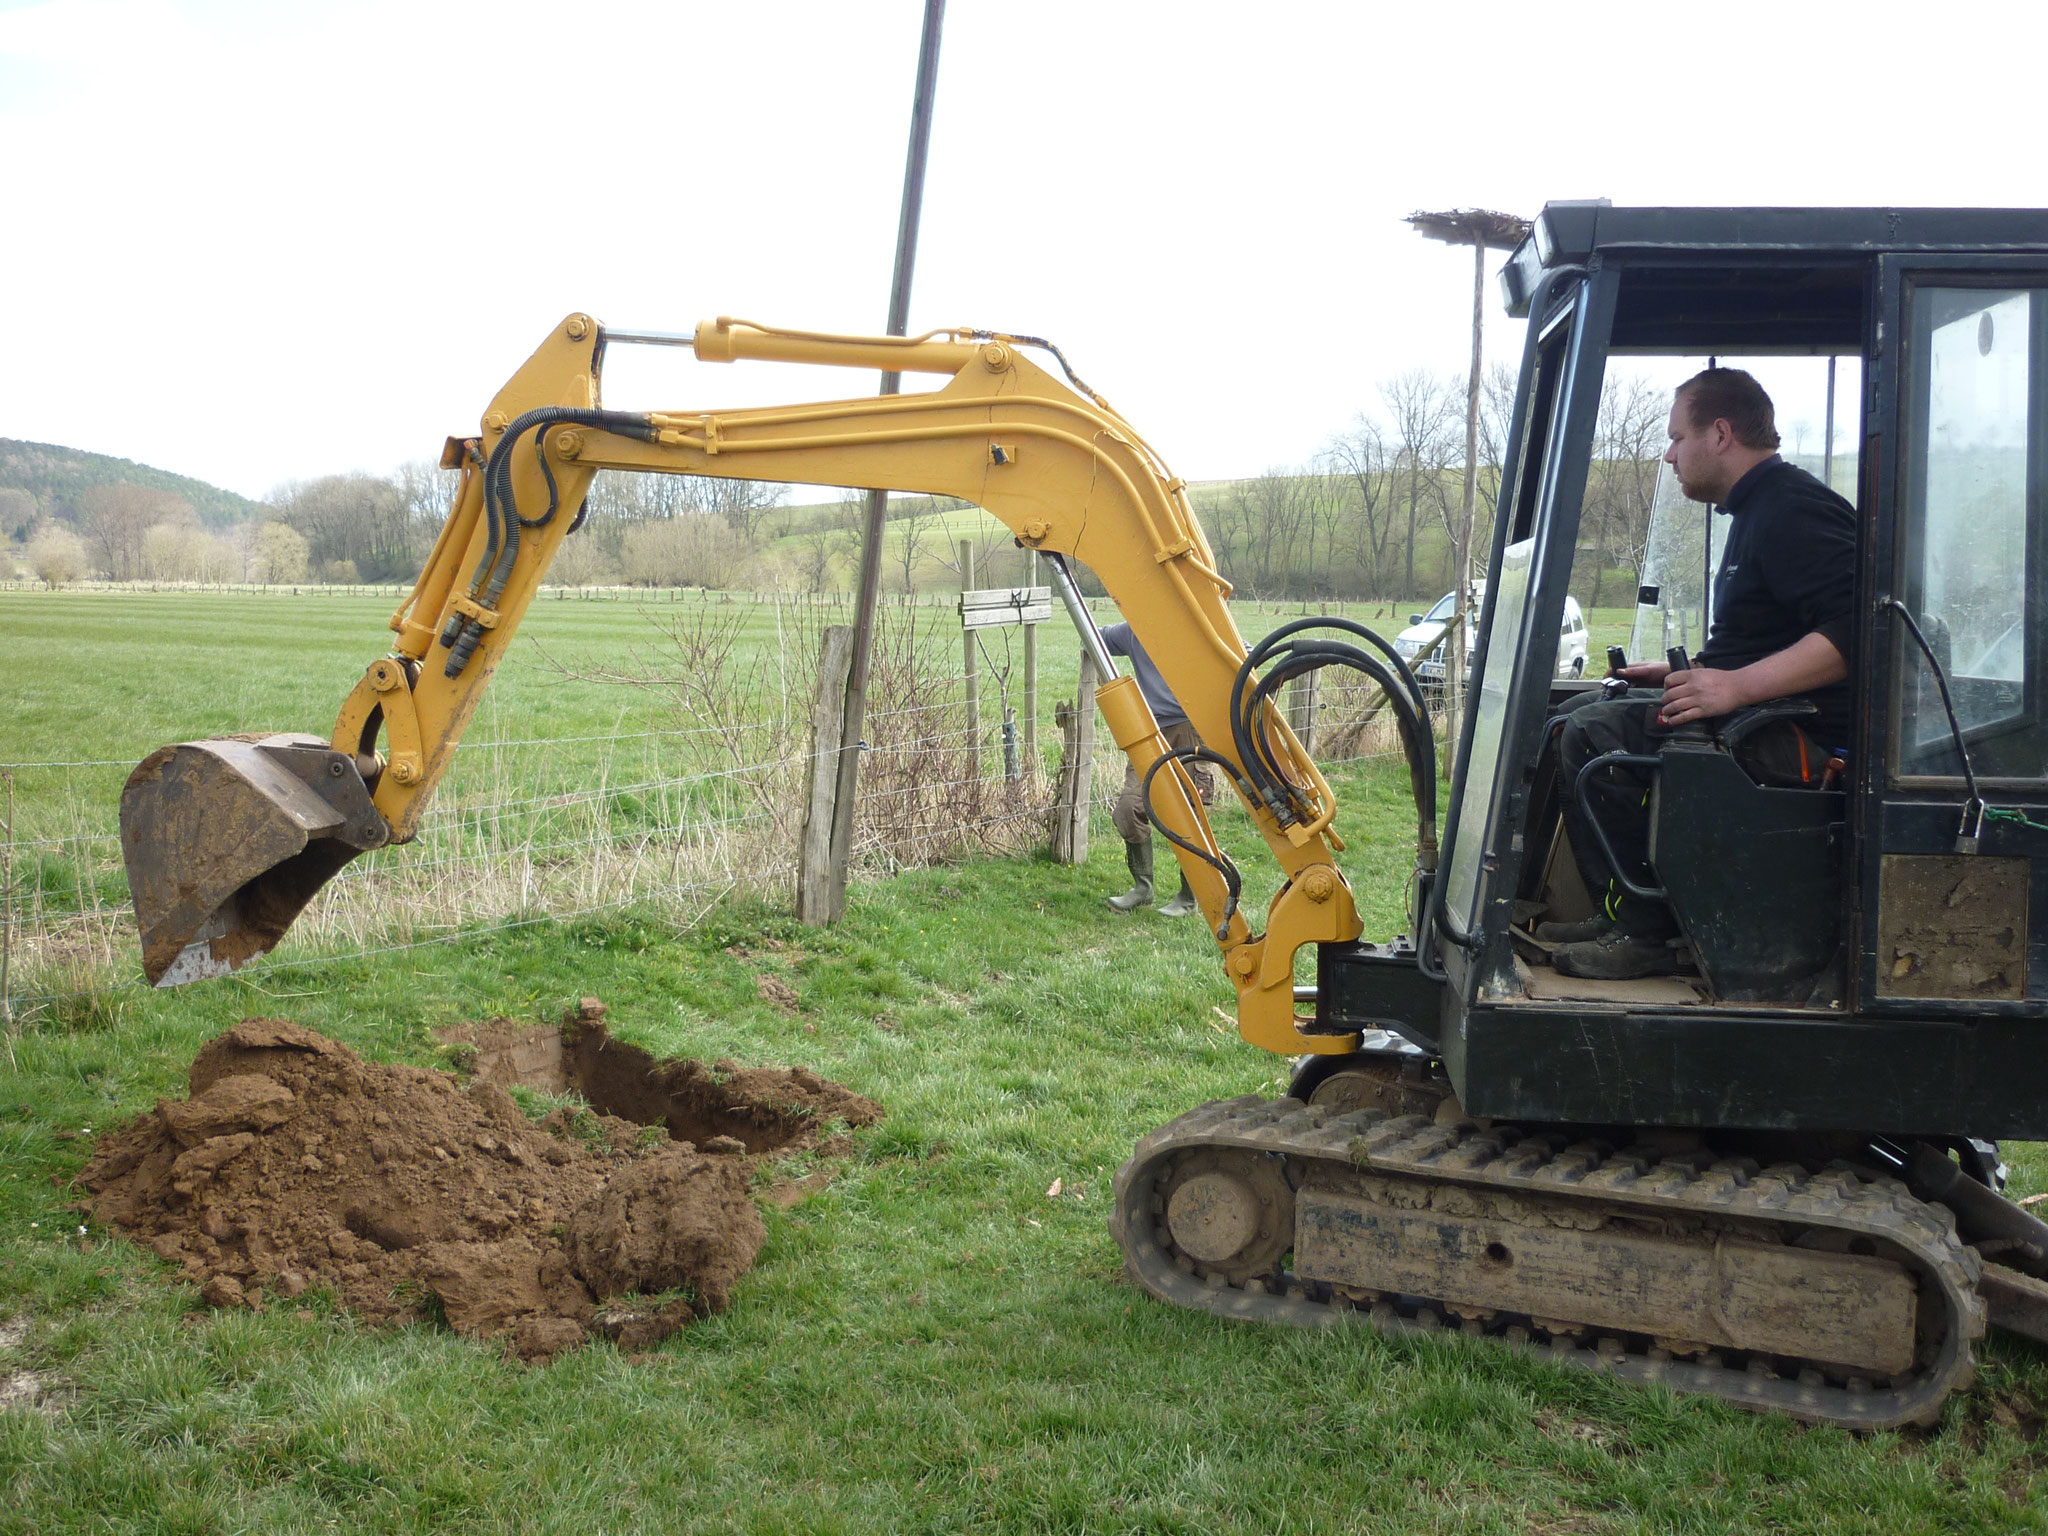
[1418,744]
[1349,627]
[1247,720]
[1232,880]
[1955,729]
[1299,656]
[501,510]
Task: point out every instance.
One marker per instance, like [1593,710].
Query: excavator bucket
[227,840]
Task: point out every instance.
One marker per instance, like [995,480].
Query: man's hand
[1705,692]
[1643,674]
[1700,694]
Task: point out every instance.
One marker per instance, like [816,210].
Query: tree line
[1371,515]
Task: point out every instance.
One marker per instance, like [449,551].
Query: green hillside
[54,475]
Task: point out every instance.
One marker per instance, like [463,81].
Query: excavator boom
[227,841]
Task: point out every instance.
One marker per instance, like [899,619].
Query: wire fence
[666,815]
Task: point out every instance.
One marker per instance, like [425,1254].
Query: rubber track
[1511,1161]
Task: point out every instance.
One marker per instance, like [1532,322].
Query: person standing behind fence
[1133,821]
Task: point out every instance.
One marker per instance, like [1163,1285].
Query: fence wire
[932,788]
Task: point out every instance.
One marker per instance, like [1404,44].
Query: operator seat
[1748,846]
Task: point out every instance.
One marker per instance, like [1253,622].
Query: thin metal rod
[652,338]
[876,520]
[1084,621]
[1827,465]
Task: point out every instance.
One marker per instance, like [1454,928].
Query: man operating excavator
[1784,627]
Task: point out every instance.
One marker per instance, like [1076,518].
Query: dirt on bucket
[294,1163]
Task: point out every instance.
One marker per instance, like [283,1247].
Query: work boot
[1618,956]
[1580,932]
[1183,902]
[1139,857]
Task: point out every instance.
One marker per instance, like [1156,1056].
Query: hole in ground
[765,1109]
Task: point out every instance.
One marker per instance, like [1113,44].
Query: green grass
[929,1344]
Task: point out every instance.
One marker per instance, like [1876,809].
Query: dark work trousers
[1620,797]
[1133,821]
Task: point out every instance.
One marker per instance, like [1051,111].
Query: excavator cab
[1864,948]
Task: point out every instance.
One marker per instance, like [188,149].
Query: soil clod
[294,1164]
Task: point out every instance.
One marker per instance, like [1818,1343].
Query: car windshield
[1442,611]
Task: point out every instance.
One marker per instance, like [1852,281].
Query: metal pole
[1031,670]
[1092,643]
[1827,463]
[878,501]
[1454,668]
[970,674]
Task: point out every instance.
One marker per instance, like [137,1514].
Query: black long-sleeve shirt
[1787,571]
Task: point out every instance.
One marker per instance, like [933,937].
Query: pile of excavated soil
[294,1164]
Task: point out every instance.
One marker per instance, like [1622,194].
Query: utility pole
[1483,230]
[878,501]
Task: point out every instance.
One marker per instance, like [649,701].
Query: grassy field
[929,1344]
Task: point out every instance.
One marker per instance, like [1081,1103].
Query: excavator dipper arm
[227,841]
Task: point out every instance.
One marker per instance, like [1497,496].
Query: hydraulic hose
[502,520]
[1232,880]
[1299,656]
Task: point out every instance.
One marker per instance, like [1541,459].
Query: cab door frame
[1919,816]
[1541,492]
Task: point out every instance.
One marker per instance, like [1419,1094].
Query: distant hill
[54,475]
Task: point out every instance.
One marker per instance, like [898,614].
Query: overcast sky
[255,241]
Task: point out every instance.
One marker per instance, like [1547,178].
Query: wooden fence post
[1077,770]
[815,884]
[1031,674]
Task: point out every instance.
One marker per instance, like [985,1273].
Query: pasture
[932,1339]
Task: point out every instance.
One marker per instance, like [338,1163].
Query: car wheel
[1578,666]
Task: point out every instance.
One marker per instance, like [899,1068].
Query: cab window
[1974,491]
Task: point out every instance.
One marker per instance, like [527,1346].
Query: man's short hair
[1734,396]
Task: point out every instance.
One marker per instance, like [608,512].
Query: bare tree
[280,553]
[1621,485]
[582,562]
[693,551]
[56,555]
[1422,409]
[116,520]
[362,521]
[1323,505]
[1496,419]
[429,492]
[916,524]
[1361,457]
[1266,515]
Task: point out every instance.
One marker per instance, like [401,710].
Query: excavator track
[1835,1297]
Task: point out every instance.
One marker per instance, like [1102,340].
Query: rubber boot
[1183,902]
[1139,857]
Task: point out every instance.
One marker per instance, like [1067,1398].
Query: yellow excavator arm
[227,840]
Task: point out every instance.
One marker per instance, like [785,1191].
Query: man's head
[1721,427]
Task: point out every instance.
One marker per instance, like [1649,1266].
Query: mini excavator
[1774,1182]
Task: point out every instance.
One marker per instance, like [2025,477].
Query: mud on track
[294,1163]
